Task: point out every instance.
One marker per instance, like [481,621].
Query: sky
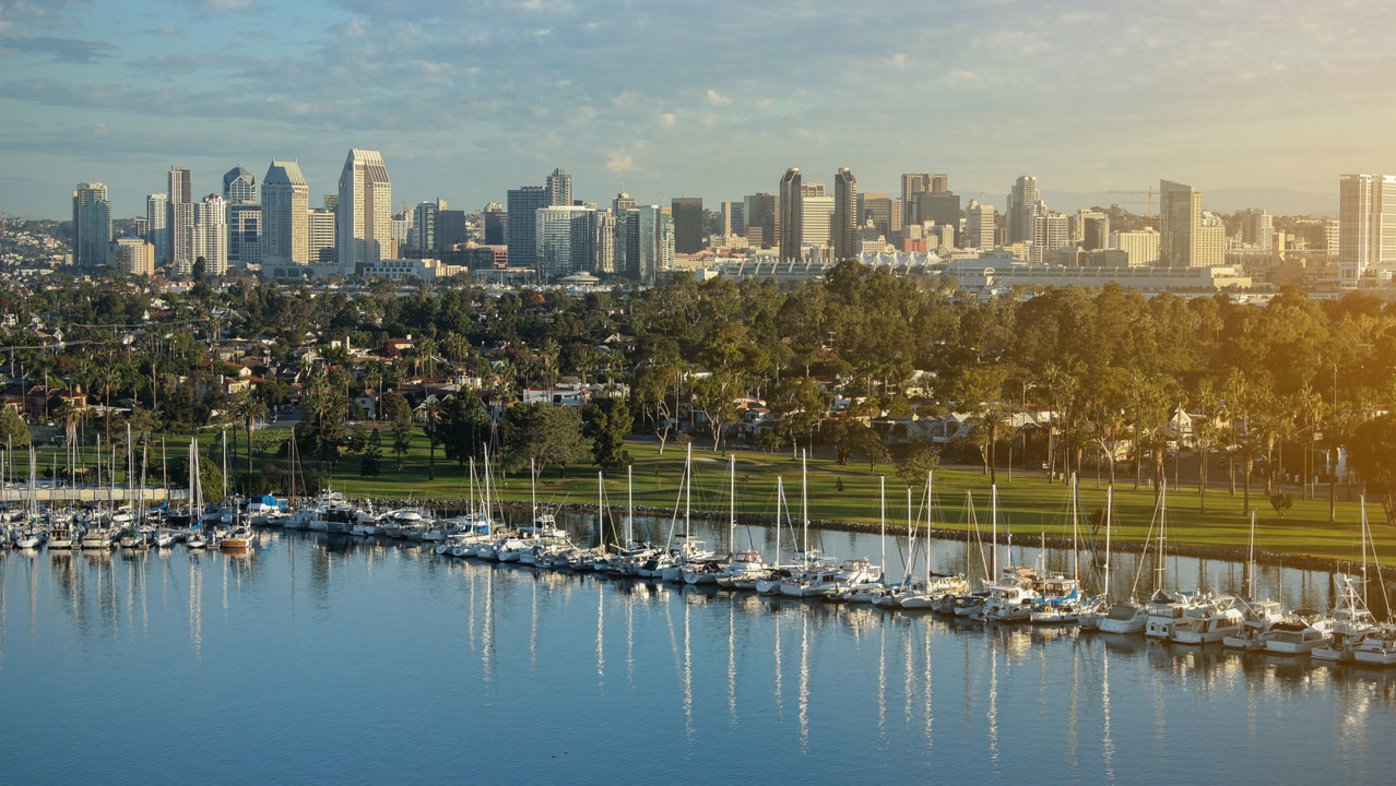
[710,98]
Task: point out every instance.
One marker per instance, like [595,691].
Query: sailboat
[743,568]
[1260,615]
[935,590]
[196,538]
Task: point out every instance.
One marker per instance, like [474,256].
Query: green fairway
[1029,506]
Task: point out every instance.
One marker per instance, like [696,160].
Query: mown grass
[1029,506]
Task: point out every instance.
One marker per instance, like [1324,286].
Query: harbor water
[325,659]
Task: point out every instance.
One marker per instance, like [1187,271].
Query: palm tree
[249,410]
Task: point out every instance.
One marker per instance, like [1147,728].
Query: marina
[308,641]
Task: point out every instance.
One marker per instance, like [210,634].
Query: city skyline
[985,103]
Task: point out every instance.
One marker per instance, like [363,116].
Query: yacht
[1126,617]
[1162,613]
[1010,598]
[1352,623]
[1377,648]
[1209,622]
[1260,617]
[1299,635]
[925,595]
[742,571]
[237,539]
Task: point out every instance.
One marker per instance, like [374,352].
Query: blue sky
[467,98]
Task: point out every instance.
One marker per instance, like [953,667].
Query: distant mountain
[1279,201]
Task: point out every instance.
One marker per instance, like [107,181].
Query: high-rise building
[942,207]
[1050,231]
[450,229]
[565,241]
[286,216]
[845,228]
[210,236]
[733,219]
[91,225]
[1211,241]
[364,217]
[180,189]
[762,213]
[320,228]
[816,222]
[524,204]
[939,182]
[604,242]
[1022,207]
[622,203]
[1366,227]
[239,187]
[1093,230]
[980,227]
[1180,215]
[688,224]
[791,210]
[1140,246]
[132,256]
[655,246]
[244,235]
[626,249]
[559,186]
[1258,229]
[157,226]
[496,224]
[913,183]
[877,208]
[423,233]
[1331,232]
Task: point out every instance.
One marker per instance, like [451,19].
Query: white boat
[1377,648]
[1011,596]
[1296,636]
[1260,617]
[1351,623]
[238,539]
[1209,622]
[1126,617]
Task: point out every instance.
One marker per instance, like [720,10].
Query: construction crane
[1149,193]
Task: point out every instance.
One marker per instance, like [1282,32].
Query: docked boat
[240,538]
[1299,635]
[1209,621]
[1261,616]
[1011,596]
[1377,648]
[1351,623]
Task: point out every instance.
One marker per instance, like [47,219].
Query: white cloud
[717,99]
[225,7]
[900,60]
[618,161]
[668,119]
[962,78]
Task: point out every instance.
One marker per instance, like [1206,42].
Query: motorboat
[1377,648]
[1351,623]
[1209,622]
[1260,617]
[1011,596]
[1125,617]
[1296,636]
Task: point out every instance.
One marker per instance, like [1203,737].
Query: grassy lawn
[1029,506]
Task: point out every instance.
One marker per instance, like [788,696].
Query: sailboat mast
[731,505]
[629,505]
[1250,562]
[600,510]
[804,502]
[780,497]
[687,494]
[882,515]
[1075,552]
[994,531]
[1109,503]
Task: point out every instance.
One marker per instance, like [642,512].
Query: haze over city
[467,100]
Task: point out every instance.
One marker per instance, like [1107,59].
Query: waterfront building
[1366,227]
[1022,208]
[1180,216]
[91,225]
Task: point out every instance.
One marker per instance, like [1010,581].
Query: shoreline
[1221,553]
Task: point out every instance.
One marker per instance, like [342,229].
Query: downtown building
[364,213]
[1366,229]
[181,220]
[91,225]
[244,218]
[565,241]
[285,217]
[522,235]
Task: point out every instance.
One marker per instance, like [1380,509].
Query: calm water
[331,661]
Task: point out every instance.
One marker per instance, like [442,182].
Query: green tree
[14,432]
[371,457]
[1372,452]
[399,413]
[461,427]
[921,459]
[610,424]
[546,435]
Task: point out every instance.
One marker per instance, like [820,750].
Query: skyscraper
[210,236]
[244,235]
[1022,207]
[655,246]
[423,233]
[239,186]
[626,249]
[1365,226]
[816,221]
[1180,214]
[559,188]
[688,224]
[846,223]
[524,204]
[91,225]
[450,228]
[913,183]
[939,182]
[791,218]
[496,224]
[285,215]
[1050,231]
[622,203]
[132,256]
[565,241]
[604,243]
[1258,229]
[980,228]
[181,221]
[157,226]
[1094,228]
[320,236]
[942,207]
[762,214]
[733,219]
[364,218]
